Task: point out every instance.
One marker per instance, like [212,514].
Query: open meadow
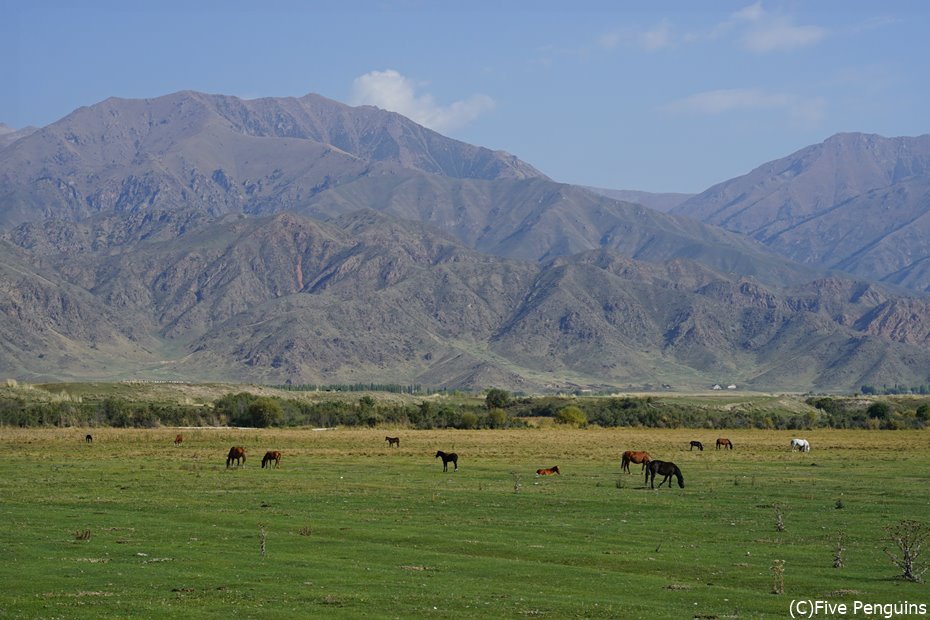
[133,526]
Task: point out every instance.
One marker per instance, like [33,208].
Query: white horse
[801,445]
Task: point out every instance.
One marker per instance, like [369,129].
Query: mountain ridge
[855,202]
[209,237]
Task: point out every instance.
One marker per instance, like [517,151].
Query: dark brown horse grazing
[548,472]
[696,444]
[236,454]
[271,455]
[178,439]
[726,443]
[88,439]
[634,457]
[666,469]
[451,456]
[392,441]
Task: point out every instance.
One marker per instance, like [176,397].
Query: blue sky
[657,96]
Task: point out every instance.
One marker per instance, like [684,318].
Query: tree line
[498,410]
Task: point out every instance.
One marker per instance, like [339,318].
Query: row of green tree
[498,410]
[888,390]
[883,414]
[392,388]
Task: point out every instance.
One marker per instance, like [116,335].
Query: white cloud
[779,34]
[657,38]
[755,28]
[392,91]
[651,40]
[752,13]
[804,111]
[771,33]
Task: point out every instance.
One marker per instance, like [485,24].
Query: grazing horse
[801,445]
[451,456]
[548,472]
[271,455]
[178,440]
[666,469]
[236,454]
[726,443]
[696,444]
[634,457]
[88,439]
[392,441]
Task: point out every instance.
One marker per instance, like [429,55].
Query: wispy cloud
[658,37]
[393,91]
[753,27]
[764,31]
[801,110]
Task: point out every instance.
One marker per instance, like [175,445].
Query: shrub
[497,398]
[572,416]
[265,411]
[497,418]
[468,420]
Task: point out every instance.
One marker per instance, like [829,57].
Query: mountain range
[206,237]
[858,203]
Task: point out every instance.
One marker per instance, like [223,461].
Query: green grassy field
[353,528]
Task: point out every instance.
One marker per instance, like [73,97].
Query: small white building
[732,386]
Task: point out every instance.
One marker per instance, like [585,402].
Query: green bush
[572,416]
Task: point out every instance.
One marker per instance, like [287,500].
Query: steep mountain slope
[365,297]
[8,135]
[126,170]
[221,154]
[856,202]
[51,329]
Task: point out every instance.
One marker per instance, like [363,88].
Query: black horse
[89,439]
[451,456]
[696,444]
[666,469]
[392,441]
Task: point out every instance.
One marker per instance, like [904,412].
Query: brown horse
[548,472]
[634,457]
[271,455]
[236,454]
[88,439]
[392,441]
[666,469]
[726,443]
[178,439]
[446,457]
